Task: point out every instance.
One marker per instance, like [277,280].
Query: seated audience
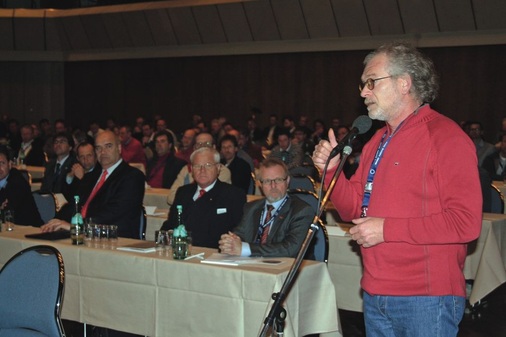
[115,198]
[483,148]
[290,154]
[31,149]
[131,148]
[55,173]
[87,165]
[16,194]
[240,170]
[164,167]
[185,176]
[274,226]
[187,142]
[210,207]
[495,163]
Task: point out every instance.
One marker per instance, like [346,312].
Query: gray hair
[405,59]
[213,151]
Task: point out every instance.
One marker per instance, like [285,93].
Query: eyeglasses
[276,181]
[202,144]
[60,141]
[370,83]
[206,166]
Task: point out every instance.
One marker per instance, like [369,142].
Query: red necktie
[268,217]
[92,194]
[201,193]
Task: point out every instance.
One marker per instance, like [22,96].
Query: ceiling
[228,27]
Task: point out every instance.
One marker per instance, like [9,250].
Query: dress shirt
[207,189]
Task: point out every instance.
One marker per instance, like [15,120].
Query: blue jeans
[413,316]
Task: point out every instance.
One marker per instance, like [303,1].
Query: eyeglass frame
[206,166]
[371,82]
[276,181]
[200,145]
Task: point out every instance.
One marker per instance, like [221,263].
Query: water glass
[9,220]
[89,228]
[180,248]
[161,239]
[112,232]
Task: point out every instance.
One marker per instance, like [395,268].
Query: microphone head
[363,123]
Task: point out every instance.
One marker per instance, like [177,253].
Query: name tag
[221,211]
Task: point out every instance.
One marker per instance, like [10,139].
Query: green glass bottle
[77,225]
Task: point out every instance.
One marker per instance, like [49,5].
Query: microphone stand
[277,313]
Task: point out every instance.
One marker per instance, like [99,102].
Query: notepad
[51,236]
[139,247]
[228,260]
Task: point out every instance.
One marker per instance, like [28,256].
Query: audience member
[290,154]
[31,149]
[271,132]
[320,131]
[115,198]
[131,148]
[239,169]
[415,200]
[94,129]
[16,194]
[300,138]
[185,176]
[187,142]
[161,125]
[289,124]
[87,163]
[272,227]
[13,135]
[483,149]
[164,167]
[210,207]
[252,149]
[495,163]
[55,173]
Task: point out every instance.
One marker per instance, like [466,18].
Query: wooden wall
[321,85]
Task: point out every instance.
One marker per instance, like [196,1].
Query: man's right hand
[322,152]
[78,171]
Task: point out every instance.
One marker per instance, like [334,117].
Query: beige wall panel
[77,37]
[235,23]
[418,16]
[117,31]
[161,27]
[29,29]
[262,21]
[209,24]
[489,14]
[319,18]
[138,29]
[96,31]
[290,19]
[350,17]
[381,23]
[454,15]
[184,26]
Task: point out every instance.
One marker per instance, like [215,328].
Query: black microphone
[360,125]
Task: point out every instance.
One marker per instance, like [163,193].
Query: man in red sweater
[415,200]
[131,149]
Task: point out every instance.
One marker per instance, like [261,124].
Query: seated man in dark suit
[15,193]
[164,167]
[274,226]
[31,151]
[210,207]
[57,168]
[239,168]
[115,197]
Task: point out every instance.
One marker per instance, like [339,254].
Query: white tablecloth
[150,294]
[485,263]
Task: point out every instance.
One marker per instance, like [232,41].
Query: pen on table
[199,256]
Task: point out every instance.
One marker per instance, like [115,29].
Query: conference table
[485,262]
[152,294]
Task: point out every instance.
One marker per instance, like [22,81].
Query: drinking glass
[9,220]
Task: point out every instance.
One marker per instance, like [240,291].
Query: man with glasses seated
[185,177]
[210,207]
[272,227]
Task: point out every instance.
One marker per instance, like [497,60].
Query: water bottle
[77,225]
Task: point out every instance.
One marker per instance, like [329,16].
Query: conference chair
[303,182]
[26,175]
[319,246]
[32,284]
[142,224]
[46,205]
[496,201]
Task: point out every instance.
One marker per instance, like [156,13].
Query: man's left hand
[368,231]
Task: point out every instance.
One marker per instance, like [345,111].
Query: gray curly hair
[405,59]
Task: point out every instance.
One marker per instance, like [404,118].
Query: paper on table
[139,247]
[339,229]
[228,260]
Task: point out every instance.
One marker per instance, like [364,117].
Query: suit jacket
[19,194]
[241,173]
[287,232]
[215,213]
[491,163]
[171,169]
[52,183]
[36,156]
[119,201]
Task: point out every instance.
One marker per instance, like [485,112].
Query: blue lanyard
[262,226]
[374,167]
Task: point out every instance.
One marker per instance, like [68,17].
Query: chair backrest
[497,200]
[32,285]
[308,196]
[142,224]
[320,244]
[139,166]
[303,182]
[46,205]
[26,175]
